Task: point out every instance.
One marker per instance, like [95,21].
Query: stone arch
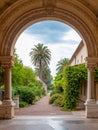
[28,12]
[18,15]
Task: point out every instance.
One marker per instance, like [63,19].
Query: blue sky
[60,38]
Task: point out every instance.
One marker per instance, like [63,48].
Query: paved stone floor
[51,118]
[42,107]
[64,122]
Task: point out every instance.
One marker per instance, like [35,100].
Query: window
[81,59]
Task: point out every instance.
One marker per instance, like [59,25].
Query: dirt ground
[42,107]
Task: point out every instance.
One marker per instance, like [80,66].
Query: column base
[90,101]
[91,109]
[7,110]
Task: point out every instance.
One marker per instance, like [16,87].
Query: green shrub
[25,94]
[43,92]
[23,104]
[29,94]
[37,89]
[57,99]
[53,92]
[14,91]
[37,98]
[53,98]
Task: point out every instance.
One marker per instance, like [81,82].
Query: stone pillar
[7,107]
[90,87]
[91,106]
[7,83]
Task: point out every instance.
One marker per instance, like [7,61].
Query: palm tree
[61,64]
[40,56]
[46,75]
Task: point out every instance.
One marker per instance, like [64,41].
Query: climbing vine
[73,78]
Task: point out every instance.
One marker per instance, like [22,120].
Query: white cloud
[27,41]
[71,35]
[60,51]
[23,47]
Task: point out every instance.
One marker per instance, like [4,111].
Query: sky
[60,39]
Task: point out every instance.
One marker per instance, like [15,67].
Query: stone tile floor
[63,122]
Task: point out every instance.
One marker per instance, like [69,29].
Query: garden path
[42,107]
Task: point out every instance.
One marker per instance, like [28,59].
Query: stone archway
[17,15]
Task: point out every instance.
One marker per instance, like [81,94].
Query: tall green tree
[40,56]
[22,75]
[46,75]
[28,76]
[61,64]
[17,75]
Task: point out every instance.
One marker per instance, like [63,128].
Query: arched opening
[74,13]
[60,33]
[54,35]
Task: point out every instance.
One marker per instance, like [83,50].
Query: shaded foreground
[68,122]
[41,107]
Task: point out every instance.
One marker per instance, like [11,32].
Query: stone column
[90,85]
[7,107]
[7,82]
[7,85]
[91,106]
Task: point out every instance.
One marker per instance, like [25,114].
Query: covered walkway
[17,15]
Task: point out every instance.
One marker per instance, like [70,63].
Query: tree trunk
[40,71]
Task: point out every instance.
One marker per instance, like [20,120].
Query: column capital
[91,62]
[6,62]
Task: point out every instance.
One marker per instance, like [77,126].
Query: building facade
[79,55]
[79,58]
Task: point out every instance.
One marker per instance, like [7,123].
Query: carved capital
[6,62]
[49,6]
[91,66]
[91,63]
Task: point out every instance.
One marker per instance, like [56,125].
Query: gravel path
[42,107]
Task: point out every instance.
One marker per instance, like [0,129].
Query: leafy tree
[61,64]
[28,75]
[17,75]
[22,75]
[46,75]
[40,56]
[58,84]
